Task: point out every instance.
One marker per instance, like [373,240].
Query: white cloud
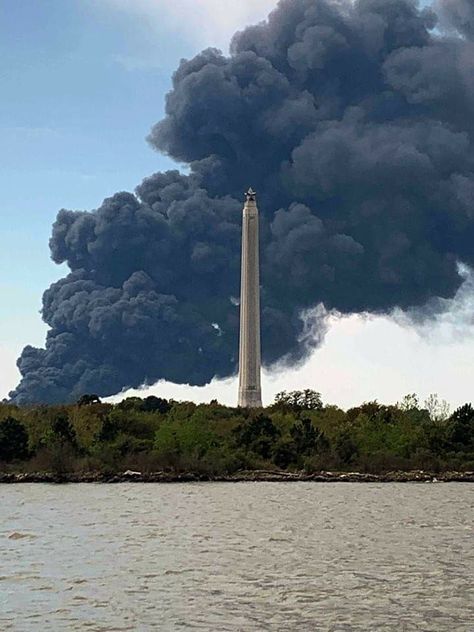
[362,359]
[203,22]
[446,319]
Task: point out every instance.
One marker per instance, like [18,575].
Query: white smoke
[445,320]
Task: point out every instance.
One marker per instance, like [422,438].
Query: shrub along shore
[296,439]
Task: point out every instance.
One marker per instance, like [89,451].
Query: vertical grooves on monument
[250,392]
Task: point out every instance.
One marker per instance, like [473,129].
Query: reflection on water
[250,556]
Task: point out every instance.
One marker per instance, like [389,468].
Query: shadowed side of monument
[250,391]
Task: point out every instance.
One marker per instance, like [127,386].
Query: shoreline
[255,476]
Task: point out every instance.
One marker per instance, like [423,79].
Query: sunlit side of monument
[250,390]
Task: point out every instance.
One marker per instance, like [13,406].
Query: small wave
[16,535]
[44,588]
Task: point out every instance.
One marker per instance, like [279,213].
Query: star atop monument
[250,195]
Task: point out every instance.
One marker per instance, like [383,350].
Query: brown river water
[237,557]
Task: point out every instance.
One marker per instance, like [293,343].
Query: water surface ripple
[237,557]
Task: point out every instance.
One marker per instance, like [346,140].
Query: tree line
[297,432]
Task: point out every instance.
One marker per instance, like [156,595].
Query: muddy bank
[244,476]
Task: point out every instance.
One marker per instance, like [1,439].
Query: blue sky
[82,83]
[73,121]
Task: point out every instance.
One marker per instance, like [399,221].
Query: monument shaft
[250,391]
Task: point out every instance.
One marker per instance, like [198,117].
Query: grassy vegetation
[297,432]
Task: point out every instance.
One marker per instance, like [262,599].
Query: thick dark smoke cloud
[458,14]
[355,124]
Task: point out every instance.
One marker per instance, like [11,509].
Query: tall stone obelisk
[250,391]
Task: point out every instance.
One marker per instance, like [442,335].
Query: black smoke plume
[458,15]
[354,122]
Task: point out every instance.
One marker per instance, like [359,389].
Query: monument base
[250,399]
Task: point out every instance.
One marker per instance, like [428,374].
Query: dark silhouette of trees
[345,448]
[307,438]
[150,404]
[153,404]
[87,400]
[370,409]
[13,440]
[63,430]
[258,435]
[462,427]
[304,441]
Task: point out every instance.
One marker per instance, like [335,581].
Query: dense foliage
[297,432]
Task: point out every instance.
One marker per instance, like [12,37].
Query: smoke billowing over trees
[355,124]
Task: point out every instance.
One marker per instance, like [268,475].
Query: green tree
[62,429]
[462,427]
[259,435]
[13,440]
[346,448]
[307,438]
[130,403]
[409,402]
[296,401]
[369,409]
[284,453]
[155,404]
